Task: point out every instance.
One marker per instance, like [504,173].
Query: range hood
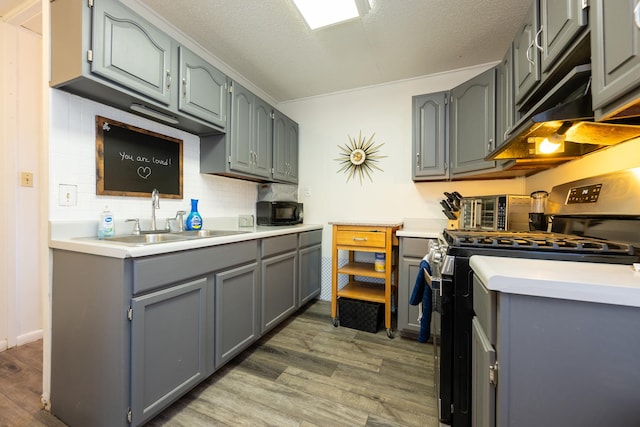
[564,116]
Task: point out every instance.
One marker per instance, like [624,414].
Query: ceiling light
[322,13]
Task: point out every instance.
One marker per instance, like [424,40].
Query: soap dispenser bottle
[194,220]
[106,228]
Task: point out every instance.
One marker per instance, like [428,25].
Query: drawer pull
[360,239]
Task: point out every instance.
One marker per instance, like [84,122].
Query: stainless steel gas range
[591,220]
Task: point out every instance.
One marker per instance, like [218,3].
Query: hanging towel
[422,295]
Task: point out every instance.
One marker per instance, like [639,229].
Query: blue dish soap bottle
[194,220]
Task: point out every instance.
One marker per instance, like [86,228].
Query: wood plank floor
[303,373]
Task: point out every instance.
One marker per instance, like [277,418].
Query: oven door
[442,321]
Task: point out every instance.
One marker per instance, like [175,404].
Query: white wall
[325,121]
[20,150]
[72,154]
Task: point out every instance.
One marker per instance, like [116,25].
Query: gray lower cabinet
[279,279]
[168,346]
[412,250]
[309,266]
[236,311]
[615,53]
[538,361]
[472,125]
[429,140]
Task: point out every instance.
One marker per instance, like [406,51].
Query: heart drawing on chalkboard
[144,172]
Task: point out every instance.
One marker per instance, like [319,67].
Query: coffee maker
[537,218]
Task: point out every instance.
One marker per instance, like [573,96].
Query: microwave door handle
[477,213]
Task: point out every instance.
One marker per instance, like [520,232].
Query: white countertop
[426,228]
[62,238]
[581,281]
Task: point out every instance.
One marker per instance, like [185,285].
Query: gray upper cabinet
[103,51]
[168,349]
[250,136]
[130,51]
[562,21]
[429,141]
[505,109]
[285,149]
[472,125]
[203,89]
[615,51]
[526,57]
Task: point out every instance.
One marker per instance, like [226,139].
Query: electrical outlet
[68,195]
[26,179]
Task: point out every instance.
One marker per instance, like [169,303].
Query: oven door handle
[431,281]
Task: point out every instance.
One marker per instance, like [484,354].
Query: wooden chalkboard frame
[135,182]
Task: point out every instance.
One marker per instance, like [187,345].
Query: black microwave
[279,213]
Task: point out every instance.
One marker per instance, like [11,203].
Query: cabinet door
[472,123]
[160,373]
[505,111]
[309,282]
[285,149]
[408,314]
[236,314]
[279,295]
[526,58]
[131,52]
[203,89]
[263,139]
[429,136]
[615,49]
[241,134]
[562,21]
[483,392]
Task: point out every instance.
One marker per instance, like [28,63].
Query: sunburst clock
[359,157]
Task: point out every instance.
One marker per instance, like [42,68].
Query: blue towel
[422,293]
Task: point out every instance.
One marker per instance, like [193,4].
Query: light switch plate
[68,195]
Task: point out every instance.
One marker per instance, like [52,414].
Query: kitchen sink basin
[164,237]
[145,239]
[209,233]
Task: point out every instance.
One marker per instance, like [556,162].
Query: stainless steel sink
[165,237]
[145,239]
[209,233]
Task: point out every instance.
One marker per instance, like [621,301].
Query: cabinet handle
[168,79]
[418,159]
[535,40]
[636,15]
[360,239]
[184,87]
[529,56]
[490,144]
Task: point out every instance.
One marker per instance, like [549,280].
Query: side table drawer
[371,239]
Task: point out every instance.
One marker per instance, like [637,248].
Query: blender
[537,218]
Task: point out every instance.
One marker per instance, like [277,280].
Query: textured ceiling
[267,42]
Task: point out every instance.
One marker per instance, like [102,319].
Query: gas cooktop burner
[534,240]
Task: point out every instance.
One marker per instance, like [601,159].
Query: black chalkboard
[132,162]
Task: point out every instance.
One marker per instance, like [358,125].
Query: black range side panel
[463,309]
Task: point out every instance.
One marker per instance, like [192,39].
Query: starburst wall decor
[359,157]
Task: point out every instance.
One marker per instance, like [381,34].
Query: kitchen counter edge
[579,281]
[116,250]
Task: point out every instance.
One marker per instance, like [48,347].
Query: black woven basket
[362,315]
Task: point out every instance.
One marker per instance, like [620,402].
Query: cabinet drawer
[309,238]
[279,244]
[414,247]
[485,306]
[370,239]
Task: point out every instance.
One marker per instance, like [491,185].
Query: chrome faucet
[155,204]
